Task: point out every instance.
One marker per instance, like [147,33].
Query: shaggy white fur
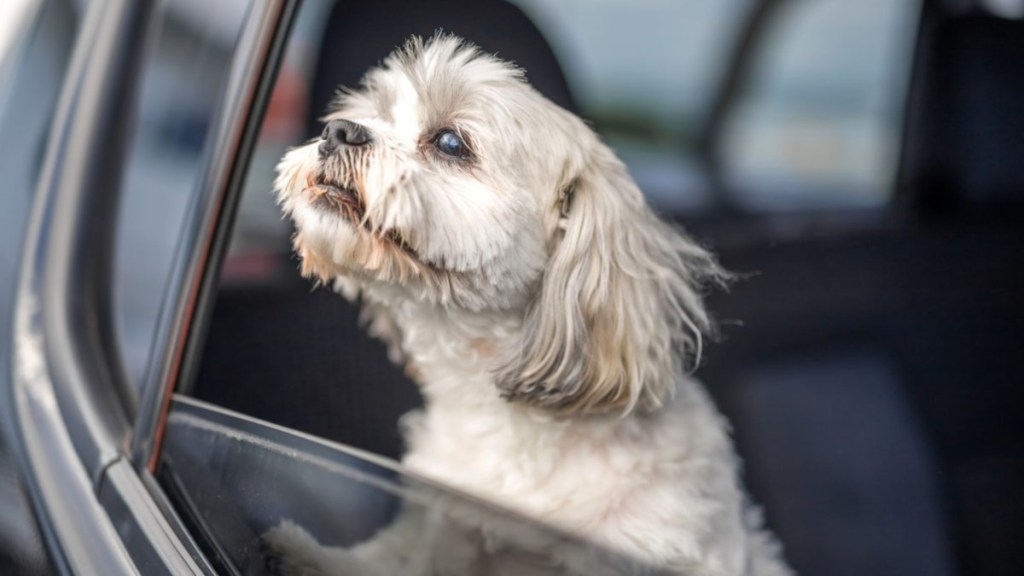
[508,259]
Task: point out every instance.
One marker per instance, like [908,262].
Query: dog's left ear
[620,305]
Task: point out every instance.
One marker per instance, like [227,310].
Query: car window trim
[68,415]
[98,512]
[193,277]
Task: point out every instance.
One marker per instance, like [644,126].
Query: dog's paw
[289,550]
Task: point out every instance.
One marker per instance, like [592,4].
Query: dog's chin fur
[546,313]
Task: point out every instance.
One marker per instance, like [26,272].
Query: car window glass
[818,123]
[645,73]
[183,80]
[289,359]
[239,482]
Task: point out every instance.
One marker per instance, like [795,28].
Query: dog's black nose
[342,133]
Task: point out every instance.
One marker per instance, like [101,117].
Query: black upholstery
[296,356]
[838,333]
[854,486]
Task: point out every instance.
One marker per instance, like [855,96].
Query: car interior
[868,357]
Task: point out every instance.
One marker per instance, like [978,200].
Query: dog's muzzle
[336,199]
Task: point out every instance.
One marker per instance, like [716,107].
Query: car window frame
[741,68]
[75,436]
[208,222]
[68,415]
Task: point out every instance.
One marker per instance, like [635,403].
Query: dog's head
[446,178]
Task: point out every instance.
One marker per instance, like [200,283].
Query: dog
[550,318]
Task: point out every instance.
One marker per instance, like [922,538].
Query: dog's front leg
[416,543]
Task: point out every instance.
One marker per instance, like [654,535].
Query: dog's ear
[619,308]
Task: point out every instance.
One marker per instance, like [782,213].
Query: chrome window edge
[186,407]
[67,416]
[79,536]
[208,223]
[156,546]
[69,411]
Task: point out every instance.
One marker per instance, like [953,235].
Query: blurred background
[857,162]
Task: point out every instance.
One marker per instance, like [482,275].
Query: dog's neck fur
[450,353]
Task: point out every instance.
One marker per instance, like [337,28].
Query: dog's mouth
[342,200]
[345,201]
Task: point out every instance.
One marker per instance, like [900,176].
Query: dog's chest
[664,488]
[545,469]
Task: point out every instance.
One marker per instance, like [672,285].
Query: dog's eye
[449,143]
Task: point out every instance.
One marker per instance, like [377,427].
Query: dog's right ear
[620,303]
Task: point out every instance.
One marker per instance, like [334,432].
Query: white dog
[505,255]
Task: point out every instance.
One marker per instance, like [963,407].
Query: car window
[183,82]
[238,481]
[645,73]
[242,454]
[818,123]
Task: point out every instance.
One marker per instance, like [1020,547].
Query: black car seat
[963,173]
[296,356]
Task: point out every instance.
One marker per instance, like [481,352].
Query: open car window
[817,126]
